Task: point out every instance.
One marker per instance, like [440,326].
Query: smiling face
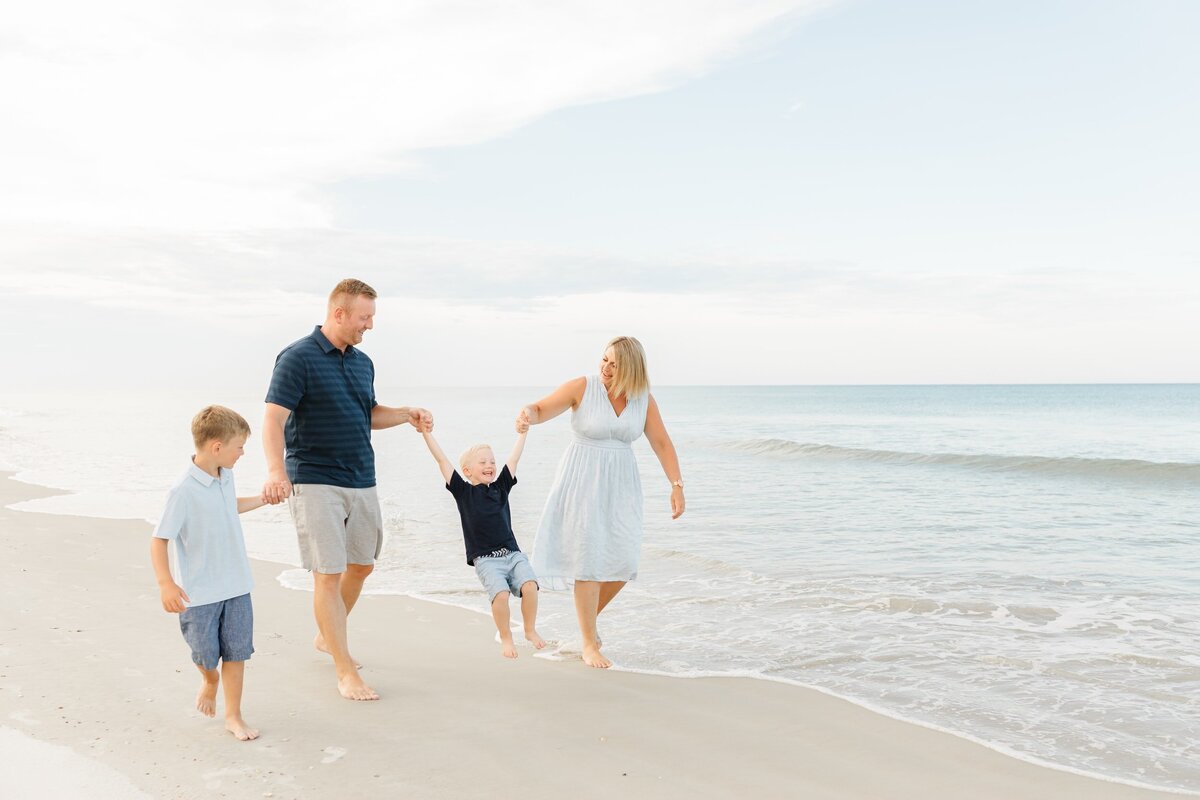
[227,453]
[349,320]
[608,367]
[479,465]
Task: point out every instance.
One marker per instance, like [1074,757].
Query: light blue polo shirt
[210,553]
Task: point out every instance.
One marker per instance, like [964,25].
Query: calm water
[1013,563]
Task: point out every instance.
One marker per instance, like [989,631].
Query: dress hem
[561,583]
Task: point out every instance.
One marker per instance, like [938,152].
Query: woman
[591,529]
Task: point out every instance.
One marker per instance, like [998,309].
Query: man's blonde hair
[218,423]
[344,293]
[470,453]
[630,378]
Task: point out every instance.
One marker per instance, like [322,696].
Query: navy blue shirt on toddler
[486,519]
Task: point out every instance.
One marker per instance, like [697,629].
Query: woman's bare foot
[206,701]
[594,658]
[319,643]
[537,641]
[507,648]
[352,687]
[238,727]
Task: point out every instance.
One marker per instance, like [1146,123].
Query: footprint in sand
[332,754]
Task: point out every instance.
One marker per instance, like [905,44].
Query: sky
[763,192]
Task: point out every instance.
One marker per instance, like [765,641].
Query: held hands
[523,421]
[421,420]
[173,597]
[277,489]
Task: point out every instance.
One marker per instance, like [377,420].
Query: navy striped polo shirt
[330,395]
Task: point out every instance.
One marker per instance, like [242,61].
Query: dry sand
[89,662]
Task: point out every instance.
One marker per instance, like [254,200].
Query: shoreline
[451,719]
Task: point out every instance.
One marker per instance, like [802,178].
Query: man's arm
[278,487]
[443,463]
[389,417]
[515,455]
[172,595]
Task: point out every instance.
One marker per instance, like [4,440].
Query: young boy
[212,596]
[487,532]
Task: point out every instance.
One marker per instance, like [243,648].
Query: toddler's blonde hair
[470,453]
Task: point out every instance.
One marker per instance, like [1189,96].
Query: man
[321,405]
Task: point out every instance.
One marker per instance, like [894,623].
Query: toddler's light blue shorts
[219,631]
[504,573]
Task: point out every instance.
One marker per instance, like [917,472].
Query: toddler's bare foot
[352,687]
[238,727]
[537,641]
[319,643]
[507,648]
[206,701]
[594,658]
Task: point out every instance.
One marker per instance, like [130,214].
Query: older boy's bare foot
[352,687]
[238,727]
[537,641]
[594,658]
[206,701]
[319,643]
[507,648]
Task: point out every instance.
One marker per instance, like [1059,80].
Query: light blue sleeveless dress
[591,527]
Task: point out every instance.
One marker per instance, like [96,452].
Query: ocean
[1014,564]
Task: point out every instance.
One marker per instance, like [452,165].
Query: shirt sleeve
[287,380]
[173,516]
[506,480]
[456,485]
[374,402]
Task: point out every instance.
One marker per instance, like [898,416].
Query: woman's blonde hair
[630,378]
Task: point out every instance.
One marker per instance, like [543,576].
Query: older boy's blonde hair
[218,423]
[630,378]
[470,453]
[344,293]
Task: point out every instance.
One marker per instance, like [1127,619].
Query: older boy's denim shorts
[220,631]
[504,574]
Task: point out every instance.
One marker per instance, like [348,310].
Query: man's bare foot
[594,658]
[507,648]
[352,687]
[319,643]
[238,727]
[206,701]
[537,641]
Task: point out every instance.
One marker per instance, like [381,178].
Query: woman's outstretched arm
[569,395]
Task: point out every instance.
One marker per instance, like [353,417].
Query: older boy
[487,533]
[211,587]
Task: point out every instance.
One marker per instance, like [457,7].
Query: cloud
[232,114]
[150,269]
[279,273]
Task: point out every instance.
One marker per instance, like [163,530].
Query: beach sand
[89,662]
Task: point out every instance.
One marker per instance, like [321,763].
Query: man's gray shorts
[336,526]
